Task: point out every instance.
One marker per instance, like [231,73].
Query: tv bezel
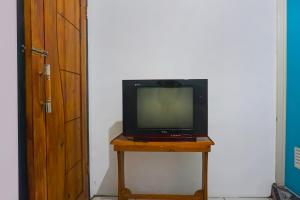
[200,122]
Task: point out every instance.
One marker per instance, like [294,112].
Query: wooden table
[122,144]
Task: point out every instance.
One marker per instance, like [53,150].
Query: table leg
[121,179]
[204,174]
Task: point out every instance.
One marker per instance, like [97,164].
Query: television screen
[159,107]
[164,108]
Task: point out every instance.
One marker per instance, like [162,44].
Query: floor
[241,198]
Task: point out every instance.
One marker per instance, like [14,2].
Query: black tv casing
[200,125]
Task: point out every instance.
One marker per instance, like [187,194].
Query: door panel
[71,93]
[57,141]
[73,143]
[68,45]
[74,182]
[70,10]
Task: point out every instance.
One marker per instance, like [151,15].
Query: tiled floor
[115,198]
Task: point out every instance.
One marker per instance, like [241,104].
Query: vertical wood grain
[55,120]
[28,97]
[84,96]
[36,27]
[121,178]
[51,174]
[71,95]
[68,45]
[73,143]
[74,182]
[204,174]
[70,9]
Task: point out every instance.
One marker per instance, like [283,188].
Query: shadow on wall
[176,163]
[110,177]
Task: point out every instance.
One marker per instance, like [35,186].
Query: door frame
[281,91]
[22,127]
[22,161]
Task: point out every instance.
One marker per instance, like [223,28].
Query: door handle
[48,92]
[37,51]
[47,104]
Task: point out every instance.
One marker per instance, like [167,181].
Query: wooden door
[57,156]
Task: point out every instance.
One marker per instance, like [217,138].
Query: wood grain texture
[68,45]
[82,196]
[29,100]
[204,174]
[74,182]
[121,143]
[72,95]
[70,9]
[54,120]
[121,176]
[37,135]
[73,143]
[57,142]
[60,6]
[84,98]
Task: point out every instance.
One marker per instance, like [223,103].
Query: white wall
[8,102]
[230,42]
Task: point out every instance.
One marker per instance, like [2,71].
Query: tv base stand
[122,144]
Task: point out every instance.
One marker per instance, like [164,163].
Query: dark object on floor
[281,193]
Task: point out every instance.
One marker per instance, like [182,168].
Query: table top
[202,144]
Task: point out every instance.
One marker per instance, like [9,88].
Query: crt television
[165,109]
